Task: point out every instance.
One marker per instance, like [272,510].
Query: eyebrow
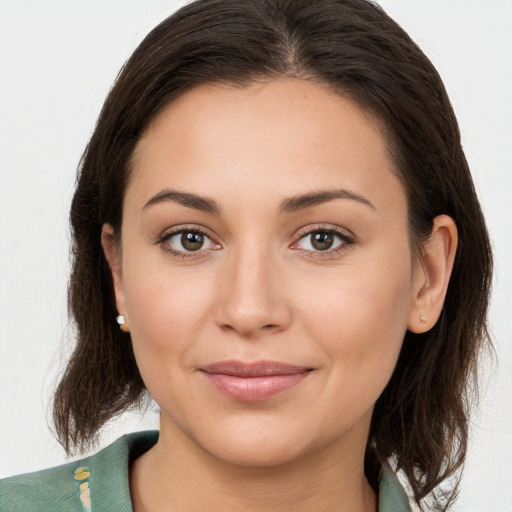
[203,204]
[290,205]
[302,202]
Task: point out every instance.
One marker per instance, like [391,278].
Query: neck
[177,475]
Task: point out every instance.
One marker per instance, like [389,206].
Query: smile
[253,382]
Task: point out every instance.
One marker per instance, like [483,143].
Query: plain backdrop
[57,62]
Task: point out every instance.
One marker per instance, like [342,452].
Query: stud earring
[423,320]
[123,324]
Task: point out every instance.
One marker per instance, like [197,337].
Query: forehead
[254,106]
[290,134]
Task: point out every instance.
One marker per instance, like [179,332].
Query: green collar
[103,480]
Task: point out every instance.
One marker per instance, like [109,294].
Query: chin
[258,454]
[250,442]
[264,444]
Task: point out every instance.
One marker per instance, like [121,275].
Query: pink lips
[253,382]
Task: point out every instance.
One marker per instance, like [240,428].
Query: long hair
[353,47]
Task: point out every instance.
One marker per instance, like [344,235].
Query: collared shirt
[100,483]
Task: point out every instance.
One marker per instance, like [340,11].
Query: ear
[433,275]
[113,256]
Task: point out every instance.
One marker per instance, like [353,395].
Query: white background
[57,62]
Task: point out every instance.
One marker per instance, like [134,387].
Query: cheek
[359,317]
[166,309]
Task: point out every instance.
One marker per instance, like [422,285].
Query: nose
[252,295]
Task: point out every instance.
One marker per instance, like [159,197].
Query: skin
[258,289]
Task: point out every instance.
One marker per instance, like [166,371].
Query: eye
[323,240]
[187,241]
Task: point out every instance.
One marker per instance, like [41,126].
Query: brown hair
[421,418]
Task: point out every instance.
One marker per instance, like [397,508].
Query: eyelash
[346,241]
[177,231]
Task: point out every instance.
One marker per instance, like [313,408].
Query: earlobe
[437,261]
[113,257]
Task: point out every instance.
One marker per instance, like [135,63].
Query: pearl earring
[123,324]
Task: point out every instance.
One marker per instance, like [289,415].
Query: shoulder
[392,497]
[101,480]
[51,489]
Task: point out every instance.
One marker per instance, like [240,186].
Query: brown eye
[192,241]
[322,241]
[188,241]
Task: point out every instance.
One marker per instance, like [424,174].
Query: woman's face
[265,270]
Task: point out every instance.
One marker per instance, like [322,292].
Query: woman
[276,210]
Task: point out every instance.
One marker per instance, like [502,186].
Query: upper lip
[253,369]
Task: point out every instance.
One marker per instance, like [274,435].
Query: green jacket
[100,483]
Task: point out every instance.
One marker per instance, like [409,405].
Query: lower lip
[254,389]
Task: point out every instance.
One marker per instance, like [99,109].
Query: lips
[253,382]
